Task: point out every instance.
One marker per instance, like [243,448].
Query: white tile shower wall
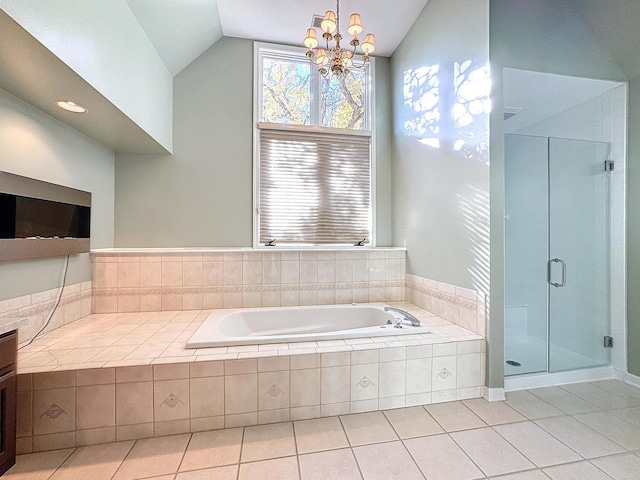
[64,409]
[461,306]
[144,282]
[29,313]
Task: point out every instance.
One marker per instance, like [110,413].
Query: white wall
[35,145]
[102,41]
[440,161]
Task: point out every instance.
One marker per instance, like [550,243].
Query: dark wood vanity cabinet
[8,400]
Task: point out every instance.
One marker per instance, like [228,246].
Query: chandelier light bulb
[328,24]
[311,41]
[355,25]
[321,57]
[369,44]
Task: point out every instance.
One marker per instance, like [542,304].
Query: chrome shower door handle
[564,272]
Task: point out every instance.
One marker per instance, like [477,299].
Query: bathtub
[251,326]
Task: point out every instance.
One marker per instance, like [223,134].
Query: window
[313,167]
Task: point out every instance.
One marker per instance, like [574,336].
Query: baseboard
[524,382]
[631,379]
[493,394]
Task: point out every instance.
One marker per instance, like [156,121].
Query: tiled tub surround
[29,313]
[91,390]
[460,306]
[145,280]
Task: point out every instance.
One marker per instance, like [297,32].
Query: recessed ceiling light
[71,106]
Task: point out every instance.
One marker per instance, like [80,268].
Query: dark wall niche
[40,219]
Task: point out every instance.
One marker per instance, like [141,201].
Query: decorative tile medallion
[274,391]
[172,401]
[364,383]
[54,411]
[444,374]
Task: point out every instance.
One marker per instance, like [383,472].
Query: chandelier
[334,58]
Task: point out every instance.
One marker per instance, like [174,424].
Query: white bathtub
[253,326]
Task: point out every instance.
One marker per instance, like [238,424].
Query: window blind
[314,187]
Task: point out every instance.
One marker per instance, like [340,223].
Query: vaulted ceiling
[182,29]
[616,24]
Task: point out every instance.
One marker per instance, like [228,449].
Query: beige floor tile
[336,464]
[440,458]
[278,469]
[620,389]
[95,462]
[614,428]
[454,416]
[620,467]
[530,475]
[213,449]
[229,472]
[580,438]
[536,444]
[492,453]
[366,428]
[576,471]
[531,406]
[631,415]
[37,466]
[599,397]
[412,422]
[564,400]
[386,461]
[268,441]
[153,456]
[320,434]
[493,413]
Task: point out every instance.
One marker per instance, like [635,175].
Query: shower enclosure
[557,263]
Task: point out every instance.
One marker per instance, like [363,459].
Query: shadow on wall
[444,105]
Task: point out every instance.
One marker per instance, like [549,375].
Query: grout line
[525,455]
[133,444]
[413,458]
[565,392]
[184,453]
[602,434]
[295,444]
[241,447]
[63,462]
[467,455]
[537,398]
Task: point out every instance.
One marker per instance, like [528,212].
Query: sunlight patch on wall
[449,107]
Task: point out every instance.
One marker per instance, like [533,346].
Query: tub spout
[406,315]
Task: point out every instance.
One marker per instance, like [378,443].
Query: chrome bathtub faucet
[406,315]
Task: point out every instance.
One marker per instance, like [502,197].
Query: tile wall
[82,407]
[29,313]
[141,282]
[462,306]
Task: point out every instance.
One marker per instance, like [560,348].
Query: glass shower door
[526,254]
[579,255]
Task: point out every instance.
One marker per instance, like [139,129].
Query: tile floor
[127,339]
[587,431]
